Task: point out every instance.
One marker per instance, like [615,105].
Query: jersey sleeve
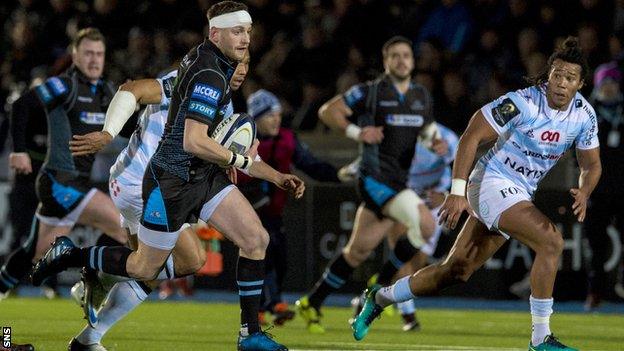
[53,92]
[452,140]
[355,98]
[588,136]
[203,95]
[506,111]
[166,83]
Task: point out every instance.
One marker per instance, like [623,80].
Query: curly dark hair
[569,51]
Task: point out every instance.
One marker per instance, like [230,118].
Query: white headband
[231,19]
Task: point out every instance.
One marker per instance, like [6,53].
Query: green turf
[49,325]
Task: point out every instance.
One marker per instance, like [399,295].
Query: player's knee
[199,259]
[143,271]
[255,243]
[354,255]
[552,245]
[460,270]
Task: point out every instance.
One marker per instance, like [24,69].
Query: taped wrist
[239,161]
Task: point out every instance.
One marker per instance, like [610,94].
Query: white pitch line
[384,346]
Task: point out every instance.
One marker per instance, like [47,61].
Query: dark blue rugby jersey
[73,106]
[201,92]
[402,116]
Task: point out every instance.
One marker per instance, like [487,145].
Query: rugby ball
[236,132]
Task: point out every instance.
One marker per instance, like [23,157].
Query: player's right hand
[371,135]
[20,162]
[291,183]
[451,210]
[89,143]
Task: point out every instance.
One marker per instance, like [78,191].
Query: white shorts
[128,200]
[489,195]
[430,246]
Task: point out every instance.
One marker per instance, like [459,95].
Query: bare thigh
[368,231]
[527,224]
[102,214]
[237,220]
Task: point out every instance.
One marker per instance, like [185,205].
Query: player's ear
[213,34]
[581,84]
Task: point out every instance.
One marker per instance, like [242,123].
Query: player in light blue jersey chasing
[533,128]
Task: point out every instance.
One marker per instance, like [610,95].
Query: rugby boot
[551,343]
[74,345]
[77,293]
[260,341]
[282,314]
[370,312]
[94,295]
[54,261]
[310,315]
[410,322]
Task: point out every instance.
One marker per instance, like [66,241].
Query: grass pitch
[50,324]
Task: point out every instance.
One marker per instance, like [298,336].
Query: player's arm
[260,169]
[122,107]
[335,114]
[591,169]
[479,131]
[19,159]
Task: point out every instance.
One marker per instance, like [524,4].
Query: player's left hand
[89,143]
[232,174]
[580,203]
[291,183]
[440,147]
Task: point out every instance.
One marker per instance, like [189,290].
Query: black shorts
[169,201]
[375,194]
[60,194]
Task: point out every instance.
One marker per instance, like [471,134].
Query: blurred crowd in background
[467,52]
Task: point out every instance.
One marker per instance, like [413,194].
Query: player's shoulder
[523,101]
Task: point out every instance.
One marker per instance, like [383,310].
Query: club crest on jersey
[405,120]
[504,112]
[206,93]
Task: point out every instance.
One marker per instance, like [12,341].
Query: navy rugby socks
[402,253]
[107,259]
[250,279]
[335,276]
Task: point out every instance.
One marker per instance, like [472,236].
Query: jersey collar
[225,64]
[551,113]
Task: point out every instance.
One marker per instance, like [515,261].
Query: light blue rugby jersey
[430,170]
[532,136]
[132,161]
